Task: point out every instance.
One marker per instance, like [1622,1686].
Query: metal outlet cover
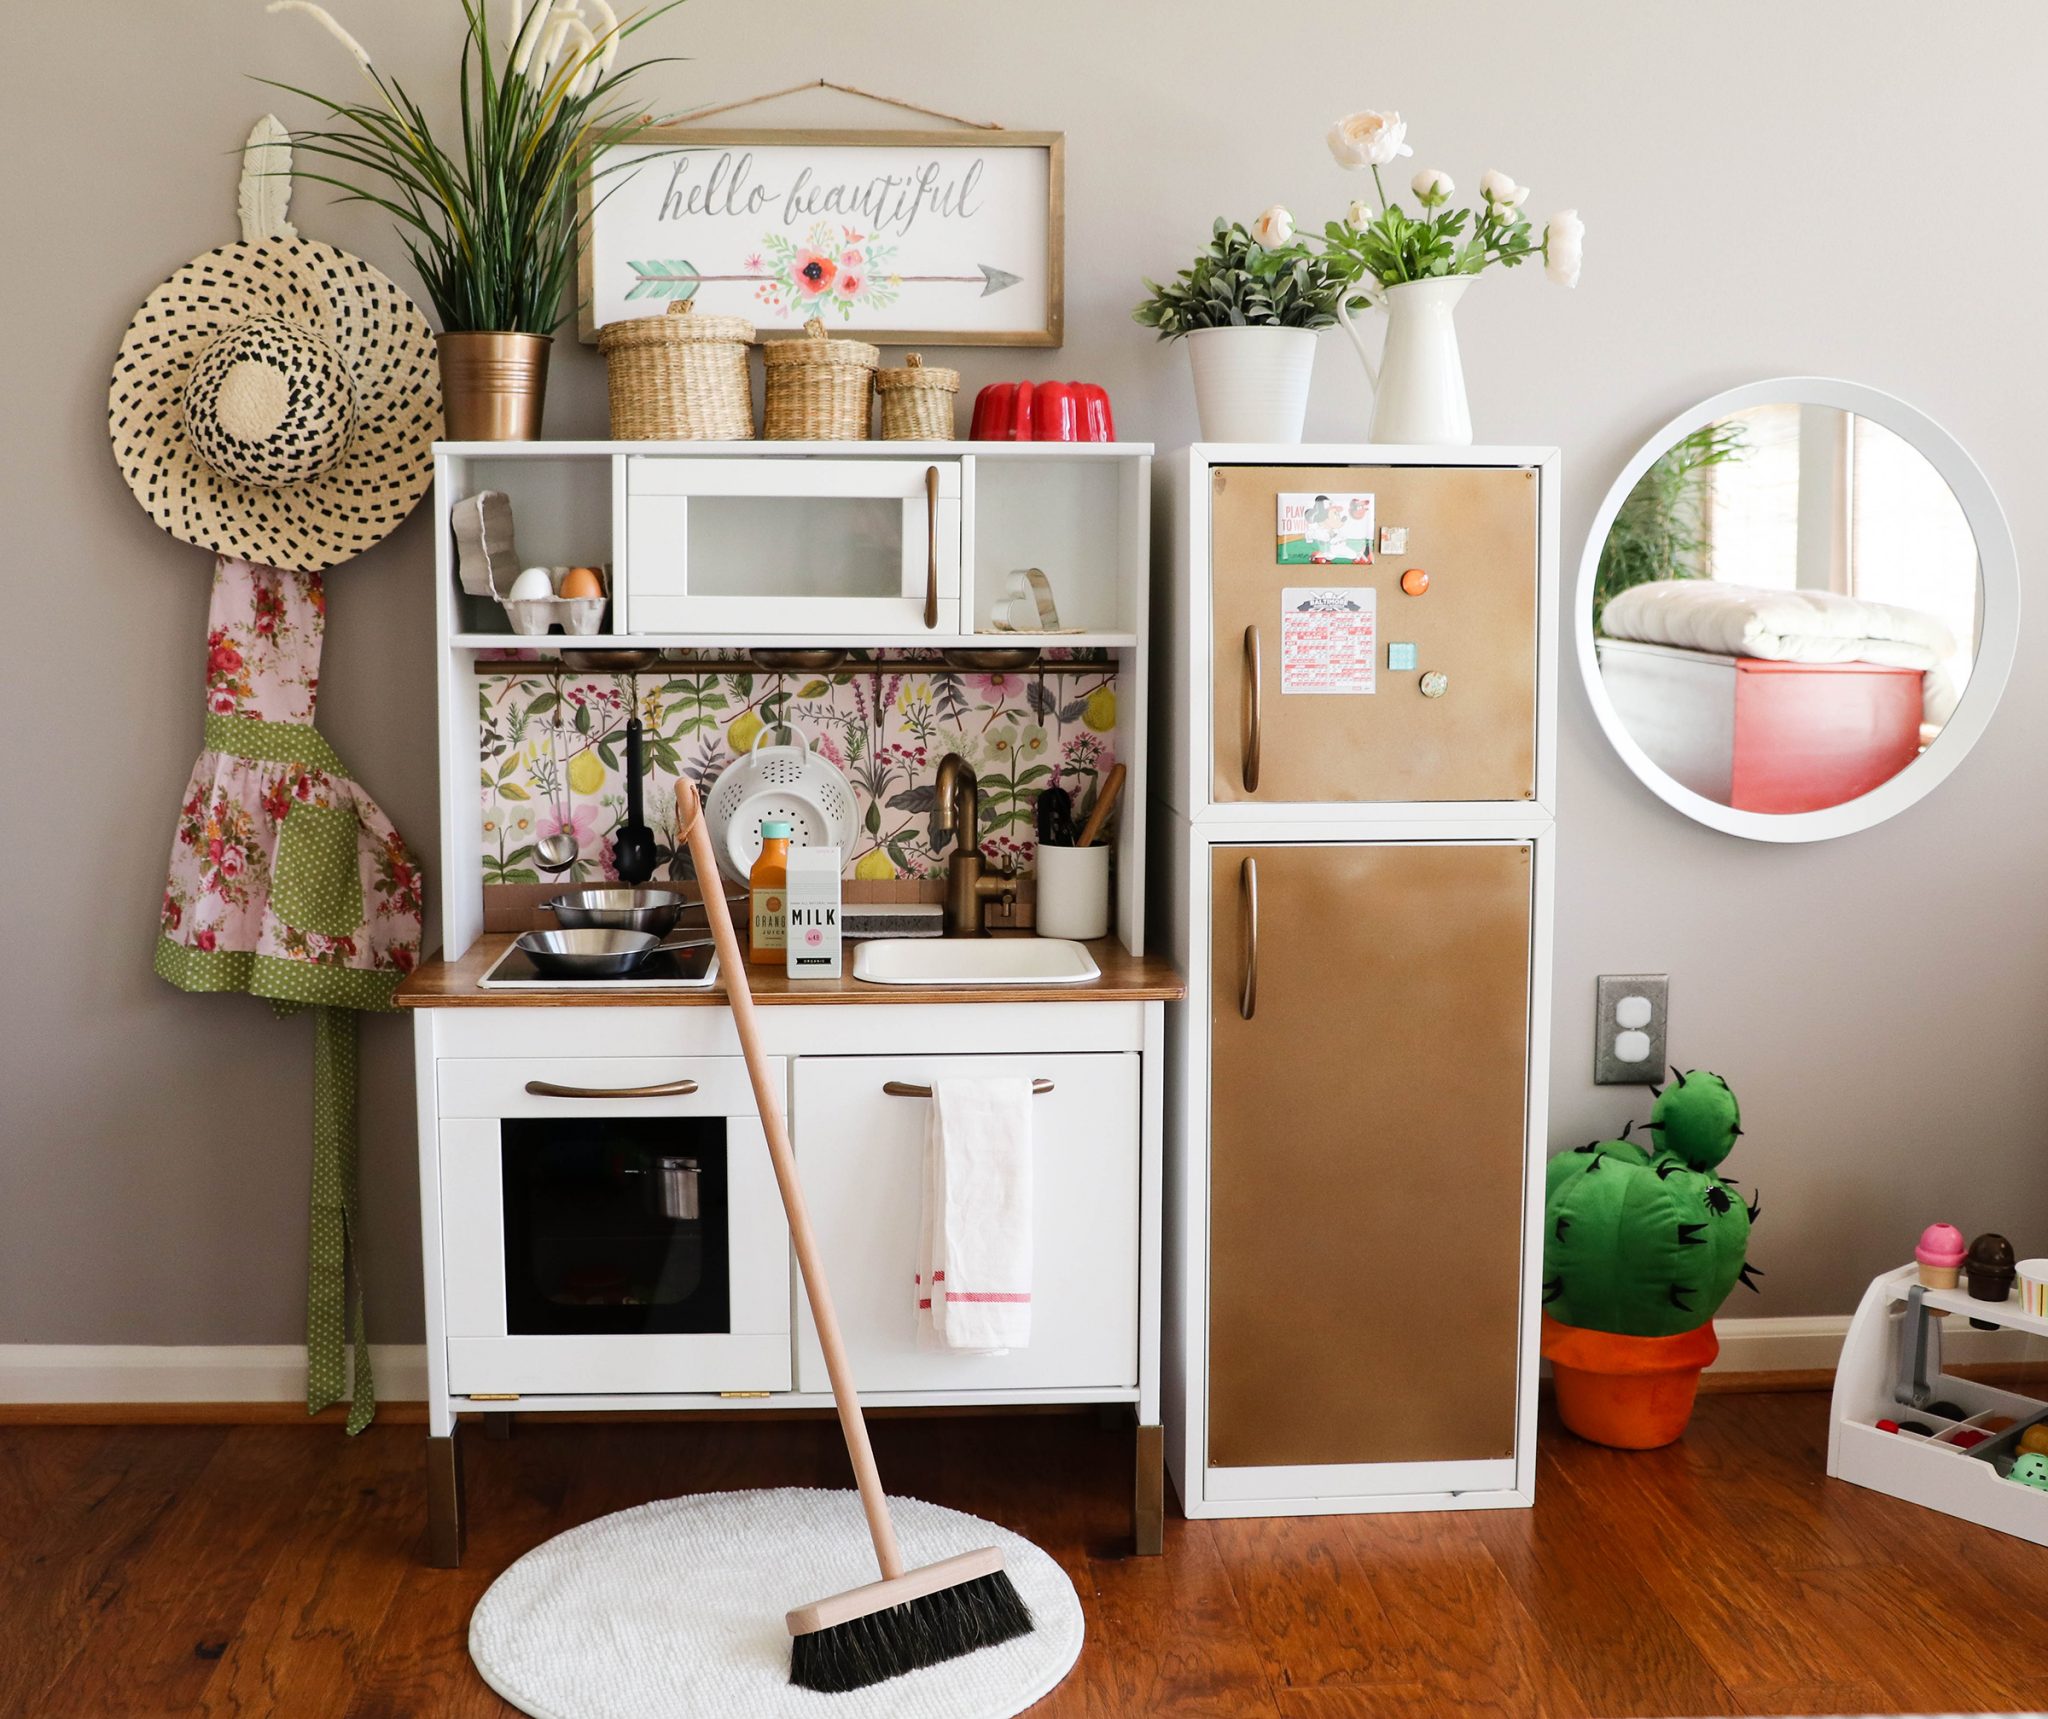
[1631,1013]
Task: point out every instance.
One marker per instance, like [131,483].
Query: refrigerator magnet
[1321,529]
[1328,639]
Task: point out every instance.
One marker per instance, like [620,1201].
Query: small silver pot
[675,1190]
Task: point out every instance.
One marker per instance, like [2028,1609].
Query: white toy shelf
[1891,1370]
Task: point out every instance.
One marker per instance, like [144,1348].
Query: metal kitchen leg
[1148,1513]
[444,1501]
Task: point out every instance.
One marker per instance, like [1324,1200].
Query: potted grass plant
[1248,307]
[490,217]
[1641,1245]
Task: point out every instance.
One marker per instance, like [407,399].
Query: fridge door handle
[931,568]
[1248,920]
[1252,714]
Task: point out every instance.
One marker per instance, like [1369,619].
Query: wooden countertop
[442,984]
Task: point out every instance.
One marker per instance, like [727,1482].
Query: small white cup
[1073,892]
[2032,1275]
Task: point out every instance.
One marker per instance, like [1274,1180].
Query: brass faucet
[956,812]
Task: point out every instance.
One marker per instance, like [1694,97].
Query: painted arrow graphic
[679,279]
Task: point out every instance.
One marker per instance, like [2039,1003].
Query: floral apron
[287,882]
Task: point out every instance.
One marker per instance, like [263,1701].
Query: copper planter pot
[493,386]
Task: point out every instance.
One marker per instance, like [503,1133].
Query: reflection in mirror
[1787,608]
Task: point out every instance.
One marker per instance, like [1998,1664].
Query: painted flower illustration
[814,273]
[840,269]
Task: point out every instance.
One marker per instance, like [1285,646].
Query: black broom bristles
[929,1630]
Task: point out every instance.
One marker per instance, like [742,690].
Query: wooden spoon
[1105,802]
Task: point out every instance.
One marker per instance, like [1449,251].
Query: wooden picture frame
[728,217]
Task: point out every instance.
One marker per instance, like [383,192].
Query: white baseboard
[222,1373]
[1800,1344]
[276,1372]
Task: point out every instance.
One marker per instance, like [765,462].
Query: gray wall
[1831,188]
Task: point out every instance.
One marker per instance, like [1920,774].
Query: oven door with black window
[610,1227]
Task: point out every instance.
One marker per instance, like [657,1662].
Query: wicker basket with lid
[818,388]
[679,377]
[917,401]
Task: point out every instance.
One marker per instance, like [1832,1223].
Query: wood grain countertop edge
[439,984]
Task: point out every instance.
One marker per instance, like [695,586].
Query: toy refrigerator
[1356,799]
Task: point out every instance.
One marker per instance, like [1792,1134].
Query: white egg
[534,582]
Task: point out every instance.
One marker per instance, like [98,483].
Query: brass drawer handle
[661,1089]
[1252,712]
[905,1089]
[931,525]
[1248,920]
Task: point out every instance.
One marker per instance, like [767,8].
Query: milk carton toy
[813,897]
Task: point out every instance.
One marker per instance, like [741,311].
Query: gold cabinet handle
[931,526]
[906,1089]
[1248,921]
[661,1089]
[1252,715]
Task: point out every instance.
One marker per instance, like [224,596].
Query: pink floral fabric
[263,669]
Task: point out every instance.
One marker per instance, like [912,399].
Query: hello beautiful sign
[901,237]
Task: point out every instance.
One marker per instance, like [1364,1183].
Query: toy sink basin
[974,961]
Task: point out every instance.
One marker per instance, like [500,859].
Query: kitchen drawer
[862,1153]
[500,1086]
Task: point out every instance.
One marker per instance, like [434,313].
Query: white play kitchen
[1241,1200]
[873,647]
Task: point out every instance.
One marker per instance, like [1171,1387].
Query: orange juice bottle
[768,890]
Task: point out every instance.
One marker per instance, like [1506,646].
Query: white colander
[790,782]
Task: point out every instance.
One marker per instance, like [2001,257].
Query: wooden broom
[910,1618]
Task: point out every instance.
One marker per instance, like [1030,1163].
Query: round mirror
[1797,609]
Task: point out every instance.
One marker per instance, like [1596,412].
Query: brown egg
[582,582]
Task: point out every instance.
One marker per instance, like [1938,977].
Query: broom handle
[732,964]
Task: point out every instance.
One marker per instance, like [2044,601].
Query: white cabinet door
[793,547]
[861,1152]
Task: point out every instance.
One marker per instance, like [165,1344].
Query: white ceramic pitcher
[1418,385]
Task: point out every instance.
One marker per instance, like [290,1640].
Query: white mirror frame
[1998,568]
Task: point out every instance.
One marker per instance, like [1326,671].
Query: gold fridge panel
[1473,531]
[1367,1151]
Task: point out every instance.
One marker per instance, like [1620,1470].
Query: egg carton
[581,617]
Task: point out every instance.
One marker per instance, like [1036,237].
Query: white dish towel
[974,1246]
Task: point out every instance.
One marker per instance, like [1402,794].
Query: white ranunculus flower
[1274,228]
[1361,214]
[1433,186]
[1564,244]
[1369,139]
[1502,192]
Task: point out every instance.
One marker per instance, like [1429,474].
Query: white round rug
[674,1610]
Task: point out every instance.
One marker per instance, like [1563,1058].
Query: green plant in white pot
[1249,307]
[1417,267]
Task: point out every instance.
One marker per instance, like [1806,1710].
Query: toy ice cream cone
[1940,1256]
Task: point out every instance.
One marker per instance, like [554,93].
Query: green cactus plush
[1649,1243]
[1696,1118]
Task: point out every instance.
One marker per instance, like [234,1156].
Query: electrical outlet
[1628,1028]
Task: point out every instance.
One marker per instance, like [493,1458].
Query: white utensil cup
[1073,892]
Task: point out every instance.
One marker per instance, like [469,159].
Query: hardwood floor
[257,1570]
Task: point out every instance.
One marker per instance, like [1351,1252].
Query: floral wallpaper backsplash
[1024,731]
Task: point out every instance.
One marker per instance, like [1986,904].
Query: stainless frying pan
[617,908]
[595,954]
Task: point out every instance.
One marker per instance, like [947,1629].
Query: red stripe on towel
[982,1295]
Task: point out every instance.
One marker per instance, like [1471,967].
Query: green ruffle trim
[272,742]
[291,983]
